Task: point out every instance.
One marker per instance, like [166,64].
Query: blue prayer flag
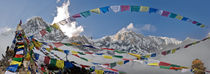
[68,64]
[153,10]
[126,61]
[153,55]
[184,19]
[105,9]
[36,55]
[12,68]
[66,51]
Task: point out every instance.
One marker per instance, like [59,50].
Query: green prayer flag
[83,58]
[118,56]
[135,8]
[119,51]
[18,59]
[172,15]
[165,67]
[173,65]
[48,29]
[53,62]
[81,53]
[85,14]
[67,44]
[113,64]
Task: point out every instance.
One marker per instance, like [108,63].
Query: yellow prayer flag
[99,71]
[173,51]
[60,64]
[22,46]
[74,52]
[75,43]
[153,64]
[135,55]
[31,46]
[48,49]
[28,57]
[144,9]
[202,26]
[120,62]
[148,56]
[15,62]
[55,26]
[179,17]
[107,56]
[97,10]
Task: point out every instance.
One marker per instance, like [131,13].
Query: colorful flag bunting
[135,8]
[85,14]
[76,16]
[115,8]
[105,9]
[124,8]
[144,9]
[165,13]
[97,11]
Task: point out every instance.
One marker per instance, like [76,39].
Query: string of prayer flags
[85,14]
[105,9]
[144,9]
[97,10]
[115,8]
[124,8]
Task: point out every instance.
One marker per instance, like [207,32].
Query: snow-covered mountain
[34,25]
[128,40]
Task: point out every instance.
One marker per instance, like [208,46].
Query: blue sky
[99,25]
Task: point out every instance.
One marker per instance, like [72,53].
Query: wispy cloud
[148,28]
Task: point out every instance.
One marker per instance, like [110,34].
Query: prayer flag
[53,62]
[153,64]
[19,52]
[18,56]
[202,26]
[194,22]
[12,68]
[58,44]
[85,14]
[118,56]
[97,10]
[164,53]
[84,66]
[105,9]
[67,44]
[165,67]
[198,24]
[115,8]
[144,9]
[107,49]
[49,29]
[172,15]
[74,52]
[18,59]
[60,64]
[83,58]
[124,8]
[47,60]
[43,32]
[135,8]
[56,26]
[76,16]
[168,51]
[164,64]
[136,55]
[184,19]
[165,13]
[107,56]
[120,62]
[113,64]
[179,17]
[173,51]
[15,62]
[126,61]
[153,55]
[36,55]
[148,56]
[99,71]
[66,52]
[68,64]
[153,10]
[173,65]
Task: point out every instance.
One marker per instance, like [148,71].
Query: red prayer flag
[88,53]
[175,68]
[124,7]
[164,53]
[76,16]
[43,32]
[164,64]
[18,56]
[127,59]
[194,22]
[58,44]
[84,66]
[76,55]
[165,13]
[20,43]
[47,60]
[106,64]
[115,70]
[107,49]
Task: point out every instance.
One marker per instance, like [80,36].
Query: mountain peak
[129,28]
